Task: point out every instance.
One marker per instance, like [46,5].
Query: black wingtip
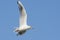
[18,1]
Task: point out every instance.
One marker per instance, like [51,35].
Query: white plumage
[22,20]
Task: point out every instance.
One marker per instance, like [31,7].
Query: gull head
[22,30]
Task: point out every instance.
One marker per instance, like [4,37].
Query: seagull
[23,27]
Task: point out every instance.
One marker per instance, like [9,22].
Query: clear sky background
[43,16]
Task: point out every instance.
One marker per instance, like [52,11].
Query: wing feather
[23,15]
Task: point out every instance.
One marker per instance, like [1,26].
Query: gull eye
[17,31]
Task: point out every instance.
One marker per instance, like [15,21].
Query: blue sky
[43,16]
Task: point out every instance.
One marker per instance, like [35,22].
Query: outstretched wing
[23,15]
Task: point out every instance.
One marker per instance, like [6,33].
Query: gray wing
[23,15]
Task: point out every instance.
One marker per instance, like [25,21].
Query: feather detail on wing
[23,15]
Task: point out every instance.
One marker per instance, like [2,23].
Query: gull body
[23,27]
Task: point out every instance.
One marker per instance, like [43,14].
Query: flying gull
[23,27]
